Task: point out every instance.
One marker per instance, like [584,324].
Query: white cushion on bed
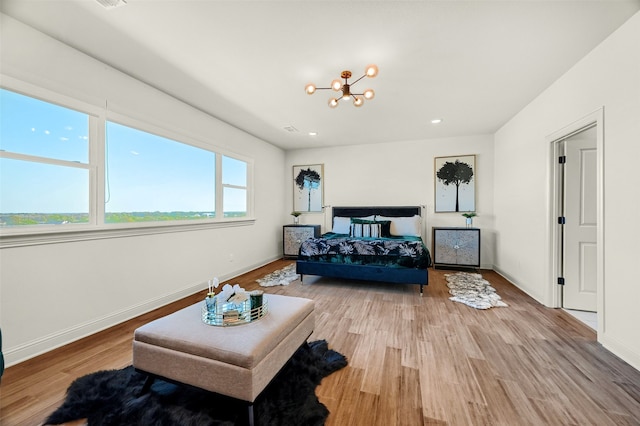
[342,225]
[372,230]
[410,226]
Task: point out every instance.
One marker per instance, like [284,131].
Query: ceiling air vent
[111,4]
[290,129]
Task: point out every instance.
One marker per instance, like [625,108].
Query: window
[151,178]
[41,129]
[44,162]
[53,166]
[234,184]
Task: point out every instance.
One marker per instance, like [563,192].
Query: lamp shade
[310,88]
[371,70]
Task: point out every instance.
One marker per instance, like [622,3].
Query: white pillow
[410,226]
[342,225]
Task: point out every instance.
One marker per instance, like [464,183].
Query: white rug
[473,290]
[282,276]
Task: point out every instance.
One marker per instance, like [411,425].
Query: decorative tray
[228,314]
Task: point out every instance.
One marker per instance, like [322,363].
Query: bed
[370,248]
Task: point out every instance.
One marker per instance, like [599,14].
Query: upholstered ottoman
[236,361]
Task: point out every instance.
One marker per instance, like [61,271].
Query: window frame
[233,186]
[96,228]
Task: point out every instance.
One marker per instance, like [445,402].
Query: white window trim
[86,233]
[249,183]
[96,229]
[44,160]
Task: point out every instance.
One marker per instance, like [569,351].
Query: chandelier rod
[356,80]
[345,82]
[331,88]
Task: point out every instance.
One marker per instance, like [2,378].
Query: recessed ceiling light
[436,121]
[313,133]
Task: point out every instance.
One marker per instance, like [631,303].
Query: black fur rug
[111,397]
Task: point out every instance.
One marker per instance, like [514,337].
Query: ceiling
[473,64]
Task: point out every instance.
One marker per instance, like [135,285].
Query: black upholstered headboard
[391,211]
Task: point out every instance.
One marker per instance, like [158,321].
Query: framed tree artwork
[455,181]
[308,188]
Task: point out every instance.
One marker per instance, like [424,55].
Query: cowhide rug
[473,290]
[283,276]
[110,398]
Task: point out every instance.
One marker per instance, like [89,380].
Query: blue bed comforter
[402,252]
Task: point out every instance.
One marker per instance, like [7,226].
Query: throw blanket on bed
[407,252]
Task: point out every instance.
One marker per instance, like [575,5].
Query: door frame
[596,118]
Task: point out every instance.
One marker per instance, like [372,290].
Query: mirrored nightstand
[456,247]
[294,235]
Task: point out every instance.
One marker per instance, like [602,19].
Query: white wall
[51,294]
[400,174]
[608,77]
[54,293]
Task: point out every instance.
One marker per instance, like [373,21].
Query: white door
[580,229]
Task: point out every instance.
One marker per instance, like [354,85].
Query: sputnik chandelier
[337,85]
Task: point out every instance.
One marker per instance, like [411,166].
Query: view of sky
[149,173]
[144,172]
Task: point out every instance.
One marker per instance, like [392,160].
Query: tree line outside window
[57,169]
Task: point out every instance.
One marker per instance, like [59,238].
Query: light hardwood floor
[412,360]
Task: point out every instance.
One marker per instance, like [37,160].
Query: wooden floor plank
[412,360]
[390,386]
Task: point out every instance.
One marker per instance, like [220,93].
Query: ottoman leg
[251,415]
[146,387]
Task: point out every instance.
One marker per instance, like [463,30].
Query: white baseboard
[28,350]
[620,350]
[614,346]
[515,283]
[63,337]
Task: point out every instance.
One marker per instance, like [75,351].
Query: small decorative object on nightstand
[469,218]
[296,217]
[294,235]
[456,247]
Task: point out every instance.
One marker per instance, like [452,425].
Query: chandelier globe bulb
[369,94]
[333,102]
[371,70]
[310,89]
[336,84]
[358,102]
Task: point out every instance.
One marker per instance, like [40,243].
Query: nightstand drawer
[456,247]
[294,235]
